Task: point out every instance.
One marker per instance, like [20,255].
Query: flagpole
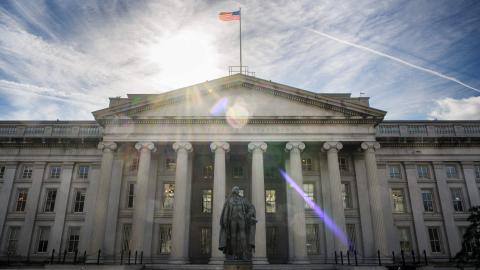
[240,11]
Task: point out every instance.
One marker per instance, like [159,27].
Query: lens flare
[219,107]
[237,116]
[338,232]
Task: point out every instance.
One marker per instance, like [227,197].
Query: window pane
[435,241]
[79,202]
[423,171]
[50,200]
[43,236]
[205,240]
[207,201]
[13,240]
[309,191]
[83,172]
[168,195]
[398,200]
[126,237]
[312,239]
[270,201]
[272,240]
[352,236]
[451,171]
[130,195]
[307,164]
[208,172]
[395,171]
[73,239]
[346,195]
[457,199]
[27,172]
[165,239]
[2,171]
[21,200]
[427,197]
[55,172]
[404,237]
[343,163]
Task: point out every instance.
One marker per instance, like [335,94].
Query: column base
[216,260]
[300,261]
[260,260]
[178,261]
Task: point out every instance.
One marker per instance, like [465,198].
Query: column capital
[107,147]
[182,145]
[257,145]
[294,145]
[145,145]
[214,146]
[370,146]
[332,146]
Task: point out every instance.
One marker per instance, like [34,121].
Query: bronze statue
[237,222]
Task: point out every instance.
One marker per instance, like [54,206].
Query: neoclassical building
[151,174]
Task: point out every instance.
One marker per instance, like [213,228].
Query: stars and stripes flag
[229,16]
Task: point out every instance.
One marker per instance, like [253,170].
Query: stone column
[471,182]
[113,206]
[296,221]
[448,212]
[218,197]
[100,214]
[140,200]
[338,213]
[258,200]
[375,197]
[181,224]
[61,207]
[6,194]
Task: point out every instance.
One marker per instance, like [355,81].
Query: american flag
[229,16]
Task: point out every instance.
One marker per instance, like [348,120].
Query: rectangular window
[395,171]
[79,201]
[83,171]
[12,241]
[73,239]
[133,165]
[451,171]
[346,195]
[55,172]
[43,236]
[404,237]
[21,200]
[165,245]
[309,189]
[27,171]
[205,240]
[237,172]
[168,195]
[343,163]
[398,199]
[270,201]
[208,172]
[352,236]
[457,199]
[126,237]
[272,240]
[307,164]
[207,201]
[427,198]
[130,195]
[477,171]
[51,196]
[312,239]
[2,171]
[435,240]
[423,171]
[170,164]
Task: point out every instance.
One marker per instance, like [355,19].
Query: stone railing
[53,129]
[429,129]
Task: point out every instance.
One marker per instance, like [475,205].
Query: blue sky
[63,59]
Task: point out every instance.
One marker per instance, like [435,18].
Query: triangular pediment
[242,96]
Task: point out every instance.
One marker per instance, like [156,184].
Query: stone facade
[150,174]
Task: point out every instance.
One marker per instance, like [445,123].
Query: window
[270,201]
[2,171]
[133,165]
[307,164]
[272,240]
[130,195]
[205,240]
[168,195]
[21,200]
[207,201]
[477,171]
[451,171]
[435,241]
[427,198]
[27,171]
[50,200]
[457,198]
[79,201]
[42,242]
[404,237]
[126,237]
[395,171]
[352,236]
[237,172]
[423,171]
[309,188]
[83,172]
[170,164]
[208,172]
[73,239]
[12,241]
[398,200]
[346,195]
[343,163]
[55,172]
[312,239]
[165,245]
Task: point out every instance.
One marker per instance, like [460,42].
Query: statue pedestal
[237,265]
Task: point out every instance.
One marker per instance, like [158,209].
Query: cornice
[222,121]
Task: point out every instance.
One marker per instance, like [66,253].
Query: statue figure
[237,222]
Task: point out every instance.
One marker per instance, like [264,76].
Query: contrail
[433,72]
